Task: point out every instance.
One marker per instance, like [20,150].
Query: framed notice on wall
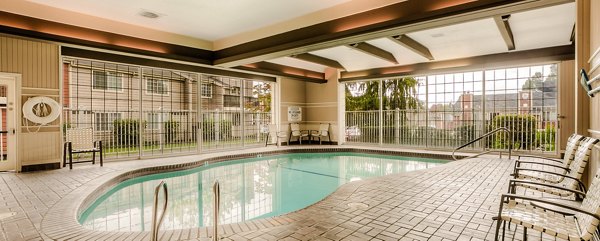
[294,114]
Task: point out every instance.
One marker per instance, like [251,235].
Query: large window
[106,80]
[146,111]
[446,110]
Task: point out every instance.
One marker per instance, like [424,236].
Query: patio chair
[548,164]
[296,132]
[277,135]
[563,185]
[81,140]
[555,219]
[321,133]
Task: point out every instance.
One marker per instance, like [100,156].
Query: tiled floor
[455,201]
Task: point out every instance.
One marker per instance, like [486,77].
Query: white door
[8,109]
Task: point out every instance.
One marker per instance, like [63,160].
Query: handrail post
[155,224]
[510,142]
[216,202]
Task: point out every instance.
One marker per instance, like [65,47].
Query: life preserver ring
[41,110]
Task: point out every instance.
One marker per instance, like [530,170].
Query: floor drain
[7,215]
[358,205]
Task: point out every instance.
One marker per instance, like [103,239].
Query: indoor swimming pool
[250,189]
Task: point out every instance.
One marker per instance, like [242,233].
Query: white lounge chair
[321,133]
[552,218]
[296,132]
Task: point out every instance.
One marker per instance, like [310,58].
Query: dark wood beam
[505,31]
[394,19]
[412,45]
[15,24]
[374,51]
[573,34]
[466,64]
[286,71]
[319,60]
[89,54]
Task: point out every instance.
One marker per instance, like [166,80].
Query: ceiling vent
[148,14]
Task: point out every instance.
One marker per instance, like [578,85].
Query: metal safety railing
[510,143]
[156,223]
[216,203]
[534,131]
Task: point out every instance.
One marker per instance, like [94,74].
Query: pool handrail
[216,203]
[156,225]
[510,143]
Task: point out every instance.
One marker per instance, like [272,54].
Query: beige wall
[318,102]
[591,58]
[293,93]
[38,64]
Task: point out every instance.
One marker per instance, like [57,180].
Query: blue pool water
[250,189]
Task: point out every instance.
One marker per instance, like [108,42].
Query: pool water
[250,189]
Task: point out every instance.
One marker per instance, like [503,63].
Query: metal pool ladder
[155,224]
[510,143]
[216,203]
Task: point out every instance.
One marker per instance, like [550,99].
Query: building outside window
[206,91]
[105,80]
[157,86]
[104,121]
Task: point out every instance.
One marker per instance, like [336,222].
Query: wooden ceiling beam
[505,31]
[374,51]
[319,60]
[559,53]
[286,71]
[412,45]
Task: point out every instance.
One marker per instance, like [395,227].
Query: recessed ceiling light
[437,35]
[148,14]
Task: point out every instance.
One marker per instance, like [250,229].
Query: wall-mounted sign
[294,114]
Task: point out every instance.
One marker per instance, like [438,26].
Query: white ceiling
[540,28]
[208,20]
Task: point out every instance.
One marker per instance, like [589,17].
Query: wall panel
[38,64]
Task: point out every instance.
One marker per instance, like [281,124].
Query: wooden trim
[374,51]
[412,45]
[560,53]
[505,30]
[287,71]
[20,25]
[89,54]
[319,60]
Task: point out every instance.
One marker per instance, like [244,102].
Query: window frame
[148,79]
[118,76]
[209,87]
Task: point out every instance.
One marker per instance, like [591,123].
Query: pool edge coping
[61,220]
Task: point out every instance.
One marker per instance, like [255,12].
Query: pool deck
[455,201]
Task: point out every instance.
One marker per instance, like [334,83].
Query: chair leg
[101,155]
[498,223]
[524,233]
[70,156]
[503,229]
[94,158]
[65,154]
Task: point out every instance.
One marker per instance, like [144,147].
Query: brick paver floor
[455,201]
